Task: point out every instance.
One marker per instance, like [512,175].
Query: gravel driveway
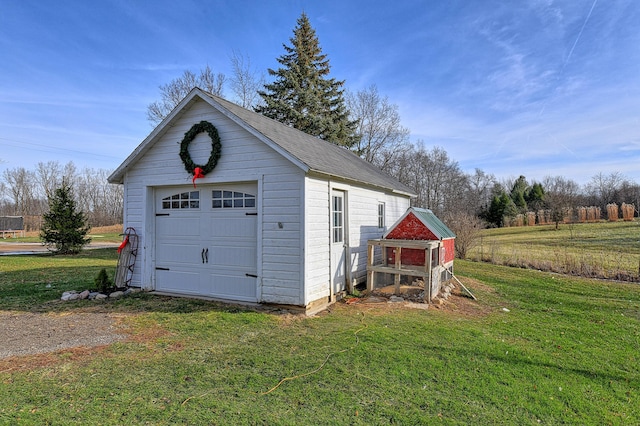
[26,333]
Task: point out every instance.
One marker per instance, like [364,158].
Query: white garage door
[206,241]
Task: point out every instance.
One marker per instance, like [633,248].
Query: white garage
[234,206]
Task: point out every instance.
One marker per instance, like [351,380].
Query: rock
[417,305]
[67,295]
[375,299]
[84,295]
[100,296]
[505,310]
[74,296]
[116,295]
[396,299]
[93,295]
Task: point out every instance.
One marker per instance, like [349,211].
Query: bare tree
[19,184]
[480,191]
[382,138]
[245,81]
[437,179]
[49,176]
[467,228]
[560,195]
[100,201]
[172,93]
[604,188]
[27,193]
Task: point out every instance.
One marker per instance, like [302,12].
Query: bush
[103,283]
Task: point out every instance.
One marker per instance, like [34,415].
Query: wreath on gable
[216,147]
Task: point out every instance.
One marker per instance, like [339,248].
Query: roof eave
[362,183]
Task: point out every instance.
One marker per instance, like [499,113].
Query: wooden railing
[398,269]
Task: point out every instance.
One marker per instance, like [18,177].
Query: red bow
[123,244]
[197,174]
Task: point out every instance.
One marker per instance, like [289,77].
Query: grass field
[109,234]
[537,348]
[609,250]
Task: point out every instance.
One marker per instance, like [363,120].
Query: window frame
[381,215]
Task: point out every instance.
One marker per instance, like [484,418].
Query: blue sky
[532,87]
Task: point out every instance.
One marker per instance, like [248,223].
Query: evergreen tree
[518,191]
[303,96]
[535,196]
[501,207]
[64,228]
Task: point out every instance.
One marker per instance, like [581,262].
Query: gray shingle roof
[318,155]
[311,153]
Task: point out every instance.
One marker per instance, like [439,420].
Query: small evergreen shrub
[64,227]
[103,283]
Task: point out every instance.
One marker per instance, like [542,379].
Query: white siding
[364,223]
[317,239]
[243,158]
[282,237]
[362,217]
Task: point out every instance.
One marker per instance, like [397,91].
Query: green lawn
[537,348]
[104,234]
[602,250]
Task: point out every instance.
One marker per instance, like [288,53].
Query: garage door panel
[232,228]
[234,257]
[181,253]
[179,226]
[178,281]
[229,234]
[233,286]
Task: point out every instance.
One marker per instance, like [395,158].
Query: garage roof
[309,152]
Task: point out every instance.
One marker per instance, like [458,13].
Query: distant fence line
[573,215]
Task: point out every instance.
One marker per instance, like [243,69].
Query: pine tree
[64,228]
[302,95]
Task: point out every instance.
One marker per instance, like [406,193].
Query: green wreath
[216,147]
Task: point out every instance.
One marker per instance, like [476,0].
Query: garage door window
[232,200]
[183,200]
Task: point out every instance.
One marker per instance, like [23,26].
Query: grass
[110,234]
[609,250]
[567,351]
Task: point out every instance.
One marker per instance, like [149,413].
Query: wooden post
[427,267]
[398,266]
[370,274]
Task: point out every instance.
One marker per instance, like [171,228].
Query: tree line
[27,193]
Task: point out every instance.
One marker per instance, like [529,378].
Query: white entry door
[206,241]
[338,241]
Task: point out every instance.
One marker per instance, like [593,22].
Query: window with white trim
[183,200]
[337,224]
[380,215]
[221,199]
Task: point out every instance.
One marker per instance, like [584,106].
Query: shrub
[102,282]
